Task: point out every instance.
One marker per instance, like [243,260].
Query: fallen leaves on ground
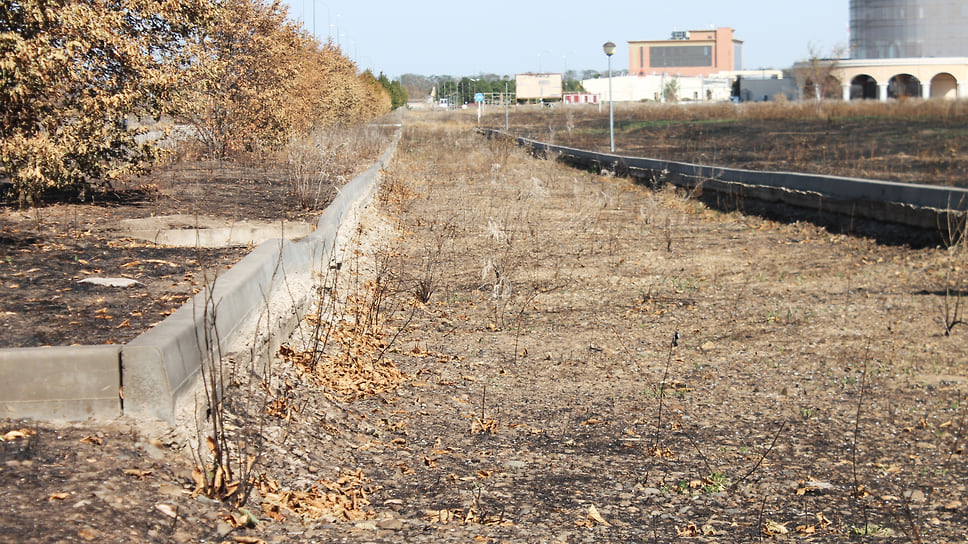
[484,425]
[353,367]
[342,500]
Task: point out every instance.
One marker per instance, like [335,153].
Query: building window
[680,56]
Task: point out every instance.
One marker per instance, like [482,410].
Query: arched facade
[883,79]
[904,48]
[944,85]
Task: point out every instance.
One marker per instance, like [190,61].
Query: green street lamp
[609,48]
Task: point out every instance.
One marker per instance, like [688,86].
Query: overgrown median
[587,357]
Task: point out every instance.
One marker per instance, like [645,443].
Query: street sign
[479,97]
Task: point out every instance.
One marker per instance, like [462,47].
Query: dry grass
[811,389]
[908,140]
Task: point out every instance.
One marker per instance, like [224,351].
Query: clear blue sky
[509,37]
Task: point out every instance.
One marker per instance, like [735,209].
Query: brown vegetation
[910,140]
[238,73]
[582,360]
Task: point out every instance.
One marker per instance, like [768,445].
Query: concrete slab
[61,382]
[204,231]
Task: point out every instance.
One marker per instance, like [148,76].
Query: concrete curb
[914,205]
[60,382]
[248,311]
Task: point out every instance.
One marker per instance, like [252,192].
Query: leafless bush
[318,163]
[224,461]
[309,165]
[433,259]
[954,235]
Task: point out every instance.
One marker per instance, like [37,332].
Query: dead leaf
[593,515]
[484,426]
[689,531]
[140,474]
[661,452]
[58,496]
[167,510]
[823,520]
[10,436]
[773,528]
[861,492]
[88,534]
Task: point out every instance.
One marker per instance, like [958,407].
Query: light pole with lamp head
[507,100]
[609,48]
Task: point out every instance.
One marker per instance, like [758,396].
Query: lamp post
[507,123]
[609,48]
[327,19]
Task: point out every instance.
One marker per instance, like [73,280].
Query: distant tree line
[398,95]
[240,74]
[466,86]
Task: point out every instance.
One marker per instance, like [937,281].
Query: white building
[653,87]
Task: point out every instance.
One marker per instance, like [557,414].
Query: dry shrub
[324,159]
[238,76]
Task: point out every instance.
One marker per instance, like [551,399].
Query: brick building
[687,53]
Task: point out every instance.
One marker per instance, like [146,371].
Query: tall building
[891,29]
[898,49]
[687,53]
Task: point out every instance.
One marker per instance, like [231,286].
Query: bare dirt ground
[523,352]
[913,141]
[46,252]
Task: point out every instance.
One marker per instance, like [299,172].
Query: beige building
[907,77]
[538,87]
[899,48]
[883,79]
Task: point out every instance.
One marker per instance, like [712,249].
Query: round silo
[886,29]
